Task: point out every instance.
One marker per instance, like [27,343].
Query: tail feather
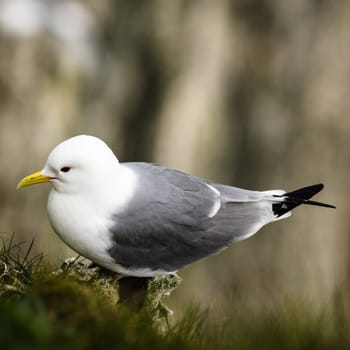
[290,200]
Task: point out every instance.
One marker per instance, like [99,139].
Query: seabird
[142,219]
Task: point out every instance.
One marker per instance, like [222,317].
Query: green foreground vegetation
[41,310]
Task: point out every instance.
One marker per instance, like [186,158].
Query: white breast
[80,227]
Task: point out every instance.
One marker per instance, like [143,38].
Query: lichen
[104,282]
[137,293]
[158,288]
[11,282]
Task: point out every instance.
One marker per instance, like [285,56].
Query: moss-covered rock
[21,274]
[105,282]
[136,293]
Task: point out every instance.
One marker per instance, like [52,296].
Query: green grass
[39,310]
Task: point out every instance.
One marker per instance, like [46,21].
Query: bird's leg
[133,291]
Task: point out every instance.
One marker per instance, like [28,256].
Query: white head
[79,163]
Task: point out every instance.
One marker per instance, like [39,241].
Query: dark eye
[65,169]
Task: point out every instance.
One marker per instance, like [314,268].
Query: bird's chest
[81,226]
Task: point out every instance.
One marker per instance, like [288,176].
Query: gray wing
[170,223]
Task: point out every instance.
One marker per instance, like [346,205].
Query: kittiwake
[142,219]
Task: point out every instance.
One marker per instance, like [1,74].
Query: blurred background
[245,92]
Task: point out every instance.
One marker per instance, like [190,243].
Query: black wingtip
[305,192]
[295,198]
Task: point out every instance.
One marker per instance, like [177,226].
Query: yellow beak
[32,179]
